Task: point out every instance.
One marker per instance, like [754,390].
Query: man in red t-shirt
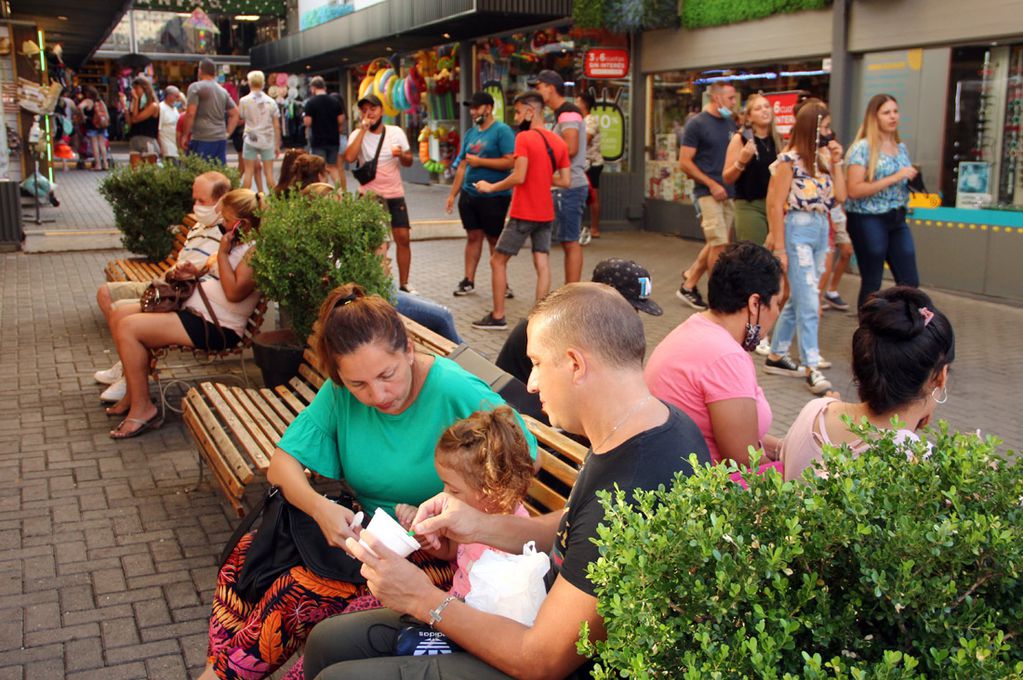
[541,160]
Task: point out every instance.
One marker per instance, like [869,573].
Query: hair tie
[927,314]
[346,300]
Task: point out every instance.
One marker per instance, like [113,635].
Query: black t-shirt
[752,183]
[645,461]
[324,110]
[512,358]
[709,135]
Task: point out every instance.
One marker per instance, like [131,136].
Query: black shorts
[204,335]
[399,212]
[593,173]
[483,212]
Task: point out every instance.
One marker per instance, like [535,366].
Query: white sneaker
[817,383]
[823,363]
[115,392]
[764,348]
[111,375]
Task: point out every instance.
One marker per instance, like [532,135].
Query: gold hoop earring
[944,395]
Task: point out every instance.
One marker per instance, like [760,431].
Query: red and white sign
[783,103]
[606,62]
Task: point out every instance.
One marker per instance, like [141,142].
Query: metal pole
[840,84]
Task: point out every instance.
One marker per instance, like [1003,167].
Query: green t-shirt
[387,459]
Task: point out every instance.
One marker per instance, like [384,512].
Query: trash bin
[10,216]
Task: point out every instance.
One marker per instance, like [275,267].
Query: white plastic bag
[509,585]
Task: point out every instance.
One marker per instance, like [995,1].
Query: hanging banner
[783,103]
[606,62]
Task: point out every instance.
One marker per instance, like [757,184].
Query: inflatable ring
[398,95]
[411,92]
[366,86]
[381,76]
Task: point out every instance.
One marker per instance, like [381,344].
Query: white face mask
[206,214]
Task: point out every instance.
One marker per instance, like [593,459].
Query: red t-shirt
[532,200]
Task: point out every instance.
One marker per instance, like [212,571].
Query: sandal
[109,412]
[143,425]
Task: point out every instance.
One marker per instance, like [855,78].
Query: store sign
[315,12]
[783,103]
[605,62]
[611,119]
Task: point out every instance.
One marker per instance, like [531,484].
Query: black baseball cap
[370,99]
[479,99]
[547,76]
[629,279]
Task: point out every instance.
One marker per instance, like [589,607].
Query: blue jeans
[569,205]
[806,244]
[428,313]
[214,151]
[883,238]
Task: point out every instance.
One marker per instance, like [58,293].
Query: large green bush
[624,16]
[897,564]
[148,200]
[703,13]
[308,246]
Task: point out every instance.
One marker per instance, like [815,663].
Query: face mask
[725,113]
[823,140]
[752,338]
[526,124]
[206,214]
[479,120]
[376,126]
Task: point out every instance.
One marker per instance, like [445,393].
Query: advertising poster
[783,104]
[315,12]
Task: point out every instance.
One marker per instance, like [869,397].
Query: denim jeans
[428,313]
[806,244]
[883,238]
[569,205]
[214,151]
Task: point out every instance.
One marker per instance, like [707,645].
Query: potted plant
[150,199]
[307,246]
[903,562]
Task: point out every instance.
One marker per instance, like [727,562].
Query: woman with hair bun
[901,354]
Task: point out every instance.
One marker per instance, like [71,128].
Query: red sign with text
[606,62]
[783,103]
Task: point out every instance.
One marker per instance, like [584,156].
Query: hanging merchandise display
[396,93]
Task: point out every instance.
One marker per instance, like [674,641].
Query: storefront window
[678,95]
[158,32]
[981,161]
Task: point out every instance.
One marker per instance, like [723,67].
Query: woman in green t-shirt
[375,423]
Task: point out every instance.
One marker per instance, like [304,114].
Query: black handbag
[367,172]
[286,538]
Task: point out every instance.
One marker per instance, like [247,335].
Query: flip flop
[116,413]
[143,425]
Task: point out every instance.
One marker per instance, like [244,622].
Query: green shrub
[148,200]
[888,567]
[703,13]
[624,16]
[308,246]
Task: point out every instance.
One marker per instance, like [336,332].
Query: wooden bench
[141,270]
[236,430]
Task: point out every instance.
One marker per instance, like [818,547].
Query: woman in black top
[97,136]
[144,117]
[747,166]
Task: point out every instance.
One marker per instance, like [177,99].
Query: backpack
[100,115]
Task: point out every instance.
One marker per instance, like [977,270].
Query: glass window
[173,33]
[981,161]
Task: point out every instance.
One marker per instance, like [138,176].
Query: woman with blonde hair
[262,144]
[143,114]
[747,161]
[213,318]
[879,175]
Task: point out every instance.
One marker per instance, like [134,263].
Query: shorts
[841,232]
[144,146]
[92,132]
[716,218]
[327,153]
[204,334]
[569,205]
[214,151]
[124,293]
[254,153]
[399,212]
[751,220]
[238,138]
[483,212]
[593,174]
[515,233]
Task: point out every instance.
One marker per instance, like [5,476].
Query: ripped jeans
[806,244]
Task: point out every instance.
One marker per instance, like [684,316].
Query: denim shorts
[327,153]
[516,231]
[254,153]
[569,205]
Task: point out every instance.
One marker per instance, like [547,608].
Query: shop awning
[79,26]
[402,26]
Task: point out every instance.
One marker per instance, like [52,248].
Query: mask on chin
[726,113]
[206,214]
[479,120]
[525,124]
[376,126]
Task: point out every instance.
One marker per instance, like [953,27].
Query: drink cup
[396,150]
[390,533]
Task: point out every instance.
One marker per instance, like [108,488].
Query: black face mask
[376,126]
[752,339]
[823,140]
[525,125]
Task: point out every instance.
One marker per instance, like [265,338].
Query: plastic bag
[509,585]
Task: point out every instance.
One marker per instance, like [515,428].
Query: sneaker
[409,289]
[691,297]
[764,348]
[109,376]
[584,236]
[115,392]
[816,382]
[783,366]
[466,287]
[835,301]
[489,323]
[508,294]
[823,363]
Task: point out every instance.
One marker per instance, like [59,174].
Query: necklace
[621,422]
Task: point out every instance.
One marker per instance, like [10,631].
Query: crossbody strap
[383,133]
[550,151]
[213,315]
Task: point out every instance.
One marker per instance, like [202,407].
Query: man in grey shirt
[208,107]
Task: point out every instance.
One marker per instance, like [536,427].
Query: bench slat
[314,378]
[275,403]
[556,441]
[248,399]
[302,388]
[543,495]
[216,445]
[234,425]
[267,411]
[290,399]
[260,454]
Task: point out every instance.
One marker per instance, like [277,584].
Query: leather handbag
[170,293]
[367,172]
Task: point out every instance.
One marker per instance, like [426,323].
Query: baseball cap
[479,99]
[629,279]
[370,99]
[547,76]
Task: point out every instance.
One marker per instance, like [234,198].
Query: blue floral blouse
[807,194]
[890,198]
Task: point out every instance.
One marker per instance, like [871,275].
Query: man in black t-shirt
[325,118]
[586,344]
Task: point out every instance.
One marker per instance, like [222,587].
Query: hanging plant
[588,13]
[703,13]
[625,16]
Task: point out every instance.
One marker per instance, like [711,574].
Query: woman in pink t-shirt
[703,366]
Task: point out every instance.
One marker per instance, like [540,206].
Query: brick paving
[107,560]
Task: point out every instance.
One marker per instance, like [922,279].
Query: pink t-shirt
[387,182]
[699,363]
[468,553]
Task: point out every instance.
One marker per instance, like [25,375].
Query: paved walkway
[108,560]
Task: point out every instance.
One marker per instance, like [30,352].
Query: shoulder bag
[367,172]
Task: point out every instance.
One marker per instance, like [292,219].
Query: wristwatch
[435,613]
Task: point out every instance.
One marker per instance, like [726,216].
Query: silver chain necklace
[621,422]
